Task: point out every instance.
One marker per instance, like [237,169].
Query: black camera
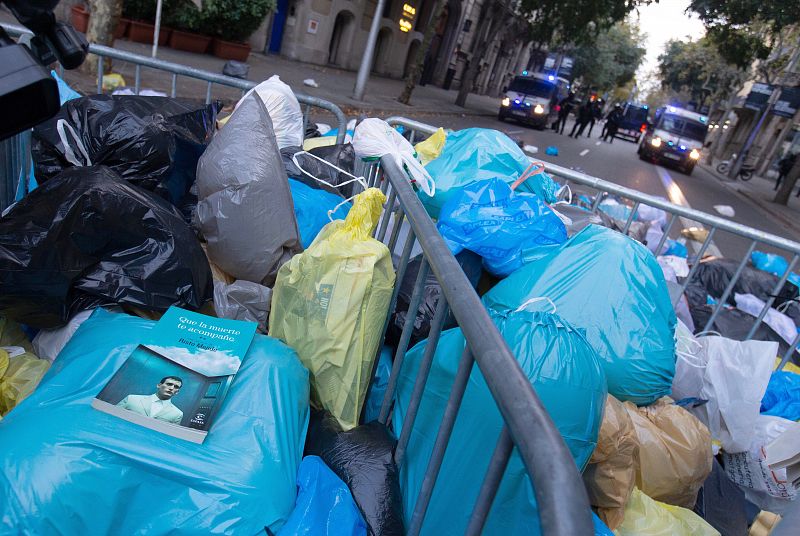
[28,94]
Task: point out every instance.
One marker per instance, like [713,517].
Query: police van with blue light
[533,98]
[675,137]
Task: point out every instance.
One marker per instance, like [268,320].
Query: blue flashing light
[524,73]
[528,104]
[703,119]
[551,77]
[683,147]
[670,143]
[646,107]
[516,101]
[672,109]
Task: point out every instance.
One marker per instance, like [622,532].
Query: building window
[387,9]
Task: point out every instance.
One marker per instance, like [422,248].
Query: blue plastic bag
[311,207]
[88,472]
[478,154]
[551,150]
[65,93]
[372,407]
[567,376]
[324,505]
[774,264]
[782,398]
[489,219]
[600,528]
[675,248]
[611,286]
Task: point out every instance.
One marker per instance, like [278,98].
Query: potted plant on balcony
[185,20]
[141,14]
[79,16]
[231,22]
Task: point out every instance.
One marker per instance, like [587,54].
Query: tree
[782,196]
[558,22]
[746,30]
[698,69]
[610,60]
[419,61]
[103,19]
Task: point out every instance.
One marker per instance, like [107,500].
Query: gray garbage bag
[245,206]
[243,300]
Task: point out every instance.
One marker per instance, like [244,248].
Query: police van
[533,99]
[676,137]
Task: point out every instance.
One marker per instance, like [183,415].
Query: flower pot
[79,18]
[142,32]
[189,42]
[228,50]
[122,28]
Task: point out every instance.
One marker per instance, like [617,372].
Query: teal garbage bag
[774,264]
[500,225]
[324,505]
[311,207]
[67,468]
[65,92]
[612,287]
[372,407]
[782,398]
[600,528]
[478,154]
[567,376]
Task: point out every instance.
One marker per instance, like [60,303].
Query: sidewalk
[335,85]
[761,191]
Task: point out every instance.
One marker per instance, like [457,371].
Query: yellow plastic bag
[112,81]
[330,304]
[611,474]
[431,148]
[24,373]
[647,517]
[675,454]
[12,335]
[788,367]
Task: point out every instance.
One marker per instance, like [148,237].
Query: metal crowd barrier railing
[560,493]
[716,225]
[15,151]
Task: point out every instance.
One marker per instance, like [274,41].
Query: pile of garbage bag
[147,203]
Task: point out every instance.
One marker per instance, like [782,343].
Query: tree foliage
[746,30]
[698,69]
[610,60]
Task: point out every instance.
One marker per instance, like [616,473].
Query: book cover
[176,381]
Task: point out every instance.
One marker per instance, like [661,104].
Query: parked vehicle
[676,137]
[533,99]
[745,172]
[635,118]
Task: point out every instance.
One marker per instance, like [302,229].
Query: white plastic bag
[734,377]
[782,324]
[374,138]
[653,215]
[48,343]
[678,264]
[283,109]
[653,237]
[766,488]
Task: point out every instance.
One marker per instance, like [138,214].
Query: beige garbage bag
[611,473]
[674,452]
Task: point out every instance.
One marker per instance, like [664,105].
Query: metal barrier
[560,494]
[178,69]
[715,225]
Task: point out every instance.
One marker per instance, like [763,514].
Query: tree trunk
[419,62]
[787,186]
[103,19]
[489,20]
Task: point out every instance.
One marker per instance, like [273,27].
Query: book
[175,382]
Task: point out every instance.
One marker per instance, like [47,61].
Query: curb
[755,199]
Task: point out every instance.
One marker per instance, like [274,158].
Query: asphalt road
[618,162]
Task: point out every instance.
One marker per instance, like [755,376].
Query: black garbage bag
[735,324]
[363,459]
[714,274]
[471,264]
[342,156]
[722,503]
[89,238]
[153,142]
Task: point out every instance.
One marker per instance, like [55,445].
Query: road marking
[598,143]
[583,153]
[676,196]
